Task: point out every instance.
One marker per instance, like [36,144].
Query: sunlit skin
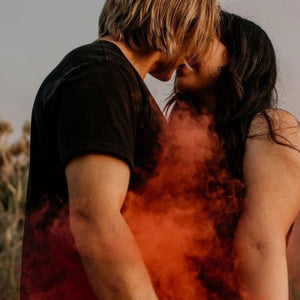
[200,78]
[165,66]
[271,175]
[156,63]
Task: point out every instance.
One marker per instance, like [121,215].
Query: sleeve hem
[108,149]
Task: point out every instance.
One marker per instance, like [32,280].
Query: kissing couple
[97,136]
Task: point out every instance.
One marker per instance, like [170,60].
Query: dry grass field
[14,160]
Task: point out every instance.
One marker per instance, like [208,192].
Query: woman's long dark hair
[245,87]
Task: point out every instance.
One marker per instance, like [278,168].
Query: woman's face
[205,73]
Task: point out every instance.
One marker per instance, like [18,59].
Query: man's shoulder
[98,52]
[96,58]
[104,64]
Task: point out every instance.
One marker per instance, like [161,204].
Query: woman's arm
[272,179]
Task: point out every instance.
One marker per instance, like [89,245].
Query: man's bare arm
[97,186]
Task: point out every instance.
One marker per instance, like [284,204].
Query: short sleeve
[97,114]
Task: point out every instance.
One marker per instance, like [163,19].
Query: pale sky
[36,34]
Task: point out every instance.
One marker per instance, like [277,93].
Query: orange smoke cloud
[51,264]
[184,218]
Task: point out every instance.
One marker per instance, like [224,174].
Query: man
[95,134]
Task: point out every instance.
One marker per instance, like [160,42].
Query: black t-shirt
[94,101]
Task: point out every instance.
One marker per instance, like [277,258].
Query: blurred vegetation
[14,162]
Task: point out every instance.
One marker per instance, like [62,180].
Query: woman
[236,85]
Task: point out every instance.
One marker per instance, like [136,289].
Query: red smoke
[184,217]
[51,265]
[183,220]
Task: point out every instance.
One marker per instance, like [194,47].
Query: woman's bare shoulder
[282,124]
[271,170]
[271,173]
[273,151]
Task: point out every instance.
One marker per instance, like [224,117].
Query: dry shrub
[14,162]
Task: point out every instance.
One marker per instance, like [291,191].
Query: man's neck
[143,63]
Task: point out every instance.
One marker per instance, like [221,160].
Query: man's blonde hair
[170,26]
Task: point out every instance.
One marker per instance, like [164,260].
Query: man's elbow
[90,234]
